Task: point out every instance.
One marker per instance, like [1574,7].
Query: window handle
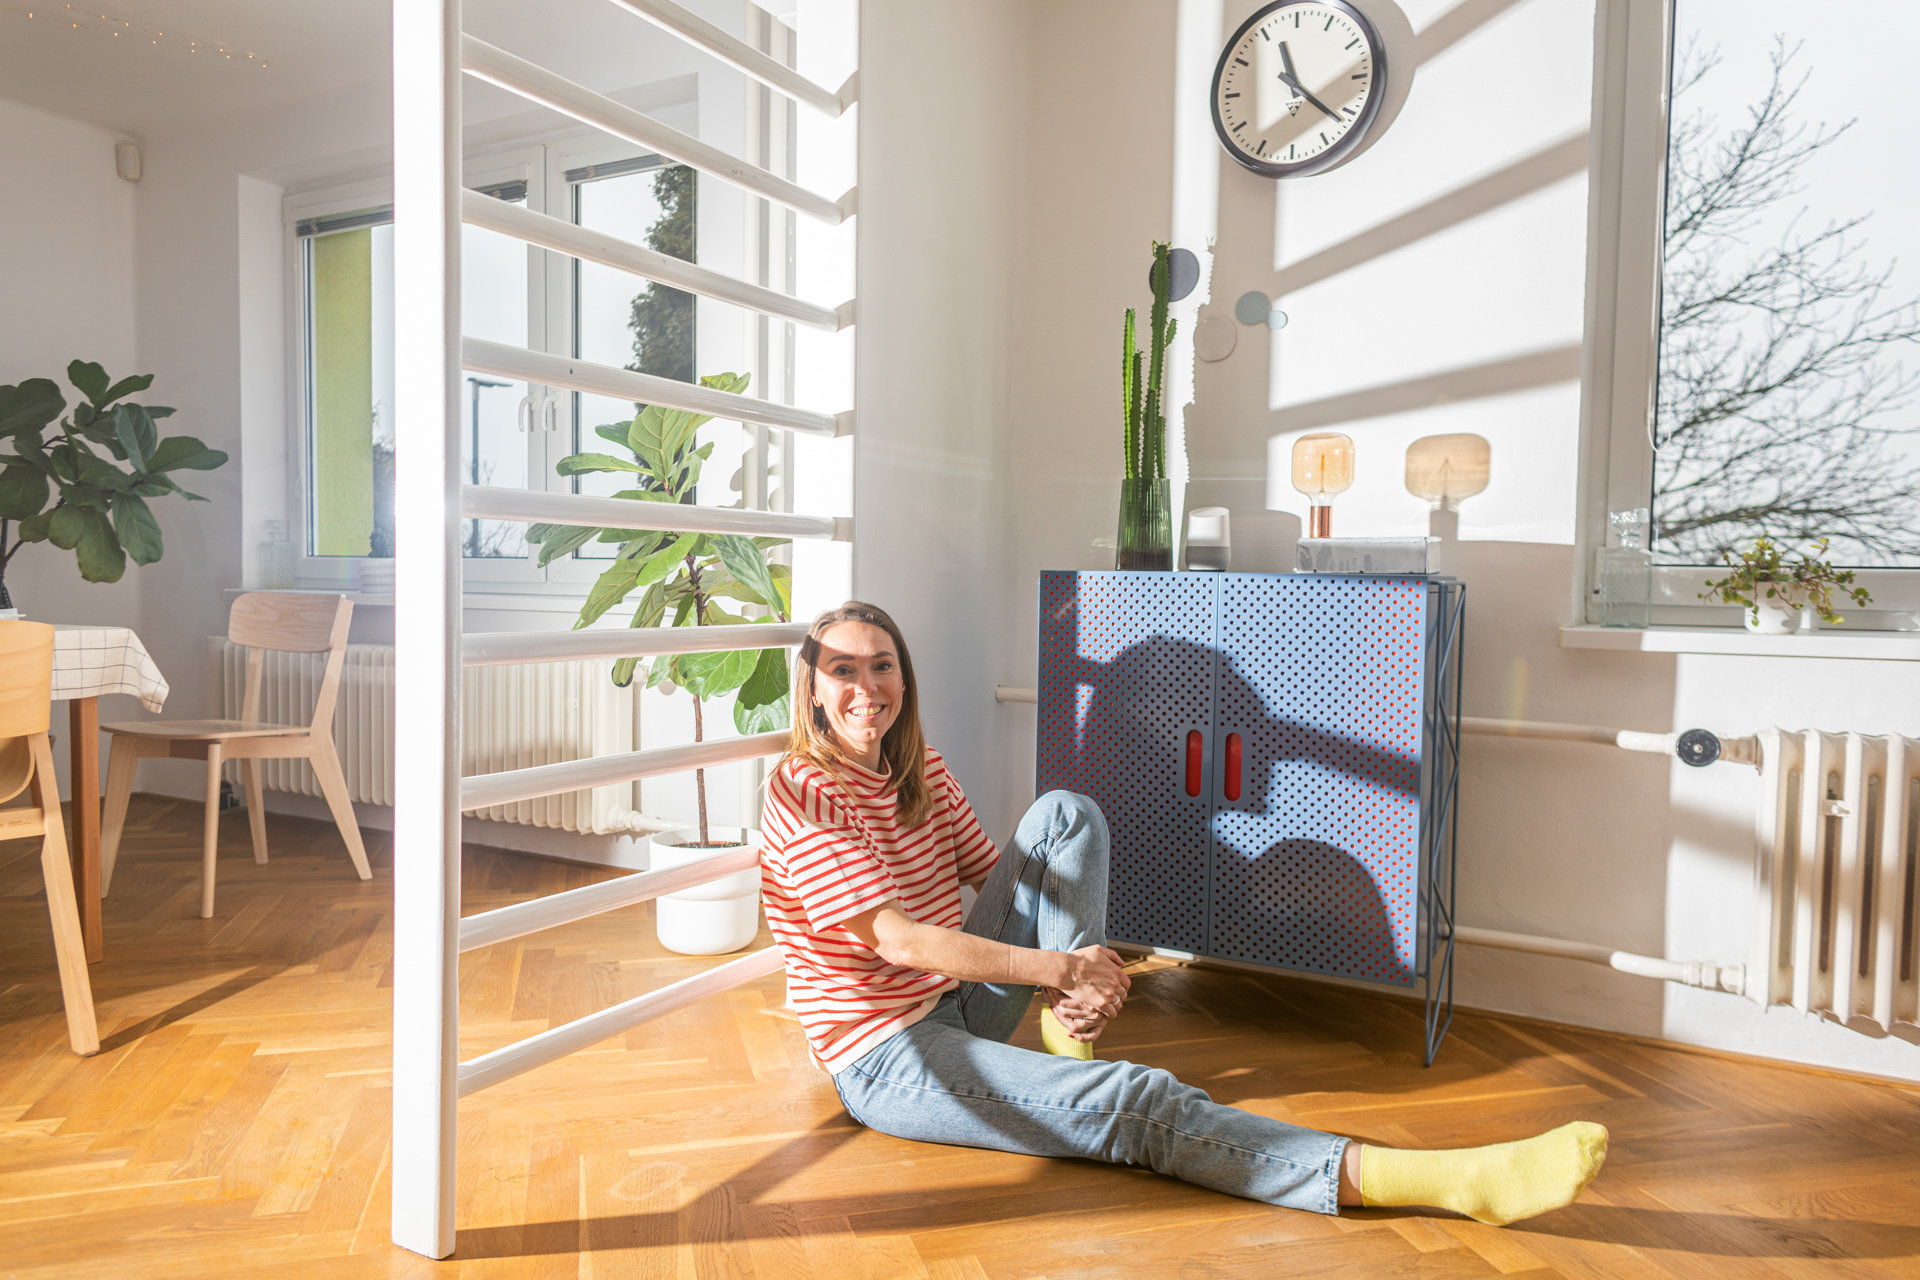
[1230,772]
[1194,746]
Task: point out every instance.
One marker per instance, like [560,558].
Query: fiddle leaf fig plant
[692,576]
[105,460]
[1762,571]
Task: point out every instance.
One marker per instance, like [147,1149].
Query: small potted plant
[1776,591]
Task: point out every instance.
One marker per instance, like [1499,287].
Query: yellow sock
[1058,1042]
[1497,1184]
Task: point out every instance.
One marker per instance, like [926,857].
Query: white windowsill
[1896,646]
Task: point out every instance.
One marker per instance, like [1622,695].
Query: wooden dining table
[89,662]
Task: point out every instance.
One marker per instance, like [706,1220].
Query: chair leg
[256,808]
[69,948]
[210,846]
[120,766]
[333,783]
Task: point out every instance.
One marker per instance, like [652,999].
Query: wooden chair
[259,620]
[26,761]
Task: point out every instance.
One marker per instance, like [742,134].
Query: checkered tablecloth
[90,661]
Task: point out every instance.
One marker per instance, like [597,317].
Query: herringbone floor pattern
[235,1122]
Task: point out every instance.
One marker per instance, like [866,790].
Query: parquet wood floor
[234,1123]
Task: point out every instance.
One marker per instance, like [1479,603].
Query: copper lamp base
[1319,522]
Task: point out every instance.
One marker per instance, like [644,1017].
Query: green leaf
[615,432]
[768,717]
[586,463]
[709,675]
[135,431]
[177,452]
[35,528]
[30,406]
[69,523]
[136,528]
[660,564]
[90,378]
[653,607]
[688,474]
[609,589]
[160,411]
[23,492]
[557,540]
[101,558]
[100,474]
[746,562]
[126,387]
[769,682]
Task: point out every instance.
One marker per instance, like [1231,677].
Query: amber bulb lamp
[1445,470]
[1322,469]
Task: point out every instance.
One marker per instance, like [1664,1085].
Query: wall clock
[1299,87]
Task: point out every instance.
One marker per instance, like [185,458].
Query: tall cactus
[1145,433]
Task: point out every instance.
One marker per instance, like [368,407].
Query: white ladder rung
[510,648]
[526,506]
[536,1051]
[743,57]
[537,84]
[514,785]
[609,251]
[506,361]
[503,923]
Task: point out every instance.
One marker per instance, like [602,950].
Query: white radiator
[1838,877]
[513,717]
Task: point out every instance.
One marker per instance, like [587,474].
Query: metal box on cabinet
[1277,756]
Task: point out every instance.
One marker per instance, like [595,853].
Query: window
[1754,294]
[511,294]
[1788,392]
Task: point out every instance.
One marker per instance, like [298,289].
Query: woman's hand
[1094,979]
[1079,1021]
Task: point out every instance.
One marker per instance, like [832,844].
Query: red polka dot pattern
[1126,672]
[1317,866]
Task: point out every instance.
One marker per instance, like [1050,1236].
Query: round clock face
[1298,86]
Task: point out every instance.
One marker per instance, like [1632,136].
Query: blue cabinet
[1277,757]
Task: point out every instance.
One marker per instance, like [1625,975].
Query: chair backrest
[26,698]
[293,623]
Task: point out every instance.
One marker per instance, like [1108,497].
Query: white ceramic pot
[712,919]
[1773,619]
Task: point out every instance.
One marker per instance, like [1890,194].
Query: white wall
[68,259]
[1557,839]
[943,195]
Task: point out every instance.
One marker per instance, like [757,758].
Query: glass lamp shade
[1323,466]
[1447,469]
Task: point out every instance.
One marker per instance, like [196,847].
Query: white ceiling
[152,68]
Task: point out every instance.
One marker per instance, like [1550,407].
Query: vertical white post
[426,833]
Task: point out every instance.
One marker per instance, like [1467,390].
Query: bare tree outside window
[1788,400]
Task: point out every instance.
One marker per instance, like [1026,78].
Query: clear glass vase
[1145,539]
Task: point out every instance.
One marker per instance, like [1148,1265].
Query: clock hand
[1291,80]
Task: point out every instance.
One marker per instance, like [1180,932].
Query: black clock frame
[1338,151]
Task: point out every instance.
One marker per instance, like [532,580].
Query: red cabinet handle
[1194,743]
[1230,774]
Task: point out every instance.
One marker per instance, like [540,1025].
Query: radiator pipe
[1693,973]
[1697,747]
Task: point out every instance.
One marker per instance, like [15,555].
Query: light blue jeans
[952,1078]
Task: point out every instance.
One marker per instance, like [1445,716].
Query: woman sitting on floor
[868,840]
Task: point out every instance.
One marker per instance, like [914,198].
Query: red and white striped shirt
[834,847]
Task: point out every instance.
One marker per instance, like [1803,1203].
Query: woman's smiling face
[858,683]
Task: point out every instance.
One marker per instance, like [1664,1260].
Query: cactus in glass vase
[1145,538]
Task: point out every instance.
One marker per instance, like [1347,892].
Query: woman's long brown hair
[905,746]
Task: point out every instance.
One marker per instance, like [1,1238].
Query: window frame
[1633,50]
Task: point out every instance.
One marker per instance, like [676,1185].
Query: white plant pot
[711,919]
[1772,619]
